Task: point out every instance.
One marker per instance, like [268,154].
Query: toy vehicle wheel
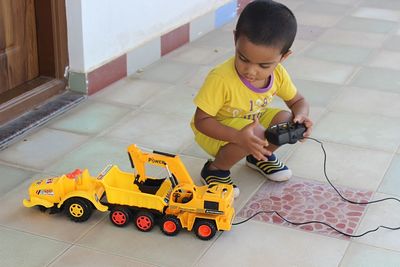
[205,230]
[42,208]
[170,225]
[144,221]
[120,216]
[78,209]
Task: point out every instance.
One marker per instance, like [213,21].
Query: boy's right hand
[251,139]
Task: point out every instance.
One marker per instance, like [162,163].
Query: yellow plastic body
[213,202]
[173,162]
[54,191]
[176,195]
[121,190]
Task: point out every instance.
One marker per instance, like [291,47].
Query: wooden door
[18,44]
[33,54]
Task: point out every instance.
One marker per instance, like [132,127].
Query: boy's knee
[282,116]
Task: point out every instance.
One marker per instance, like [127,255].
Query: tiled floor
[346,62]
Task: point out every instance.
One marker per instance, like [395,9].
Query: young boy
[232,105]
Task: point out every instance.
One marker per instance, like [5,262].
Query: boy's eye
[243,59]
[263,66]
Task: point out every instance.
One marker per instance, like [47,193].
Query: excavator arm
[172,163]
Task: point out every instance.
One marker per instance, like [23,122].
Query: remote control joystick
[285,133]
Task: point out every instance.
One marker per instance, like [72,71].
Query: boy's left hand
[300,118]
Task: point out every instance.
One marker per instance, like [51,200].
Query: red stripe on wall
[107,74]
[174,39]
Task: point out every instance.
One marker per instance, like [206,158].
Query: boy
[232,105]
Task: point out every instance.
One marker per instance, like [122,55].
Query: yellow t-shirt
[224,95]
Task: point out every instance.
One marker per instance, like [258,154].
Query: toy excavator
[173,201]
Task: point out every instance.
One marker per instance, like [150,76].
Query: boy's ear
[286,55]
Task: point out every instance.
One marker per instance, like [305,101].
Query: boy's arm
[300,109]
[244,138]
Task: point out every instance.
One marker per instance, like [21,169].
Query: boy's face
[256,62]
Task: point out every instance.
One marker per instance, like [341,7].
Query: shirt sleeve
[286,89]
[211,96]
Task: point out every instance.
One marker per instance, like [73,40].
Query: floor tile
[94,155]
[393,43]
[80,120]
[344,37]
[366,25]
[131,92]
[338,53]
[377,13]
[261,244]
[386,59]
[197,80]
[11,177]
[359,255]
[305,32]
[319,7]
[156,130]
[80,256]
[216,39]
[318,70]
[318,94]
[369,131]
[377,79]
[316,19]
[53,226]
[46,147]
[387,4]
[177,100]
[194,150]
[151,247]
[383,213]
[341,2]
[165,71]
[24,249]
[299,46]
[194,55]
[361,100]
[346,165]
[292,4]
[303,200]
[391,183]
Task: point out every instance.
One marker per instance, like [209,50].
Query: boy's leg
[273,169]
[226,155]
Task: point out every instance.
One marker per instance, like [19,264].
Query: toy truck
[173,201]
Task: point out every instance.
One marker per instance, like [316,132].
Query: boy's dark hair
[265,22]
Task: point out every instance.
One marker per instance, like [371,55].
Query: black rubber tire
[170,225]
[144,221]
[120,216]
[78,209]
[204,229]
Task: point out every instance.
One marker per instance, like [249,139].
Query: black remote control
[285,133]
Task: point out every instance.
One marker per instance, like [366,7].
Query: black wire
[337,191]
[319,222]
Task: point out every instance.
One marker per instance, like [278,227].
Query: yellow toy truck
[173,201]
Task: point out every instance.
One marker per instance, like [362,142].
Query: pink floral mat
[301,200]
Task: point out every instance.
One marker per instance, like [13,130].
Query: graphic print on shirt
[257,107]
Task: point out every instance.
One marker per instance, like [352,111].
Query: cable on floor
[338,192]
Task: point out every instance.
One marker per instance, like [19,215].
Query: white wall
[100,30]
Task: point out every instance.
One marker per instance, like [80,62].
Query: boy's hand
[249,141]
[300,118]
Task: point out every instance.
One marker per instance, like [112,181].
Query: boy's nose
[250,71]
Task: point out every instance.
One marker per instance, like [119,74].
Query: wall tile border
[151,51]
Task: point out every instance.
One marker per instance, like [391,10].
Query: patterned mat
[301,200]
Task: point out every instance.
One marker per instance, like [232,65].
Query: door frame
[52,42]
